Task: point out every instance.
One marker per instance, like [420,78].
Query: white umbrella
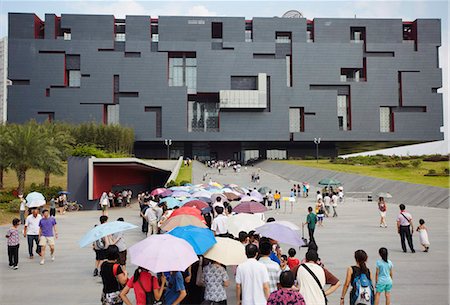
[243,222]
[227,251]
[35,199]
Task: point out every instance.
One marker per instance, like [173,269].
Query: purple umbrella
[178,194]
[163,252]
[281,233]
[166,193]
[249,207]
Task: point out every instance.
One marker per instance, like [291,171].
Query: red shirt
[145,278]
[292,262]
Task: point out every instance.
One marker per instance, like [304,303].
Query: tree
[26,146]
[3,160]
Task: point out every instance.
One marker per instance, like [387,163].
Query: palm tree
[59,141]
[3,160]
[26,147]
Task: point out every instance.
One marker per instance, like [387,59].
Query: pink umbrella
[158,191]
[250,198]
[198,204]
[162,253]
[166,193]
[249,207]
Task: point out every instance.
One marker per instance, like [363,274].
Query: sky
[406,10]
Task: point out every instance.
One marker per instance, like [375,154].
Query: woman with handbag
[113,278]
[216,280]
[147,290]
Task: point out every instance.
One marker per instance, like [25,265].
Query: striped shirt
[274,271]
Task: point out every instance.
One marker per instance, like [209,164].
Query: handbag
[111,298]
[199,281]
[317,281]
[150,295]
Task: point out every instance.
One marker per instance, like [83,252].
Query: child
[383,277]
[284,263]
[13,244]
[292,260]
[423,235]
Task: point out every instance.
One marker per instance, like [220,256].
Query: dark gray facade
[218,86]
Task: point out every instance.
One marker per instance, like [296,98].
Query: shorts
[101,255]
[384,287]
[44,240]
[383,214]
[104,207]
[320,217]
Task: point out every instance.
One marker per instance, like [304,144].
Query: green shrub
[171,183]
[6,197]
[446,171]
[48,192]
[184,182]
[13,206]
[90,150]
[436,158]
[431,172]
[416,163]
[397,165]
[309,158]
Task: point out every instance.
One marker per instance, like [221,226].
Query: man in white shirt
[220,223]
[327,203]
[274,270]
[152,219]
[252,277]
[22,209]
[405,228]
[319,196]
[218,203]
[334,203]
[309,288]
[31,231]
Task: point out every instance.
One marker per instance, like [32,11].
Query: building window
[155,37]
[310,31]
[283,37]
[74,78]
[244,83]
[120,37]
[67,35]
[351,75]
[408,31]
[288,71]
[294,120]
[203,117]
[357,34]
[248,31]
[113,113]
[342,112]
[386,119]
[216,30]
[183,71]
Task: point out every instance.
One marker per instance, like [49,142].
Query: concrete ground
[419,279]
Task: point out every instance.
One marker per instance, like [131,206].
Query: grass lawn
[409,174]
[185,174]
[6,217]
[35,176]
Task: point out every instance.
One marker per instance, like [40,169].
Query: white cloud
[200,10]
[117,8]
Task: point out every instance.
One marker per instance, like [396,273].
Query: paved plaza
[419,279]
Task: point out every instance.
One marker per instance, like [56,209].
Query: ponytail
[384,254]
[136,275]
[361,258]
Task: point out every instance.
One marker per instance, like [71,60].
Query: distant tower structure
[292,14]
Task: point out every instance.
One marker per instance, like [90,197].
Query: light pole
[317,142]
[168,142]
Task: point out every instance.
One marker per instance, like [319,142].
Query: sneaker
[31,256]
[16,267]
[413,251]
[95,272]
[53,258]
[10,267]
[42,262]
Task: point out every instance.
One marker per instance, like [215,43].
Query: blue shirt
[274,257]
[175,284]
[384,272]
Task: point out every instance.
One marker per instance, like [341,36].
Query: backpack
[99,244]
[363,290]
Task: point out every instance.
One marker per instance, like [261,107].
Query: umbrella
[201,239]
[263,190]
[280,233]
[384,195]
[180,221]
[256,194]
[329,181]
[158,191]
[35,199]
[234,203]
[179,188]
[198,204]
[206,210]
[180,194]
[166,193]
[231,196]
[171,202]
[216,195]
[250,207]
[202,193]
[188,211]
[243,222]
[156,253]
[227,251]
[250,198]
[288,224]
[205,199]
[215,184]
[63,192]
[104,229]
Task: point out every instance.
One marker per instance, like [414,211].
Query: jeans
[13,255]
[405,232]
[334,212]
[311,235]
[277,204]
[30,239]
[152,227]
[22,217]
[52,212]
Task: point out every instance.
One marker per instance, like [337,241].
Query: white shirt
[327,201]
[334,200]
[341,194]
[22,204]
[32,224]
[319,196]
[308,286]
[402,220]
[217,204]
[220,224]
[252,275]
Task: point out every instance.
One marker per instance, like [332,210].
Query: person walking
[311,221]
[423,235]
[219,224]
[270,199]
[22,209]
[382,208]
[114,277]
[405,228]
[47,235]
[13,243]
[176,290]
[327,204]
[100,247]
[105,200]
[143,283]
[252,279]
[119,241]
[152,219]
[277,198]
[31,231]
[215,279]
[359,277]
[383,277]
[334,204]
[286,295]
[53,206]
[312,278]
[274,270]
[320,212]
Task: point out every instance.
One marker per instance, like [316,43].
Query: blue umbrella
[103,230]
[201,239]
[63,192]
[171,202]
[35,199]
